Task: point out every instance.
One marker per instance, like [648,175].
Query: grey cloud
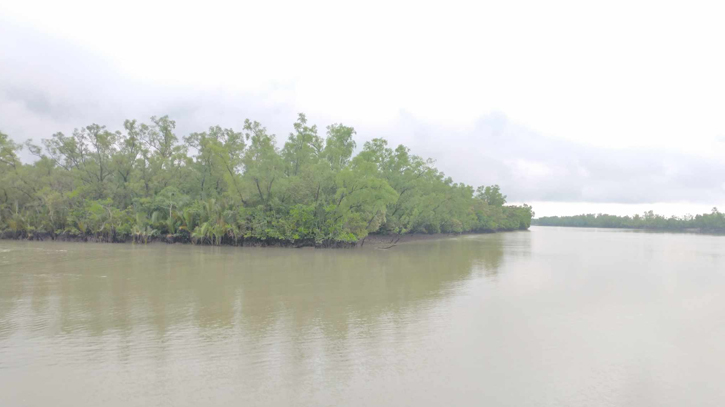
[39,102]
[533,167]
[49,85]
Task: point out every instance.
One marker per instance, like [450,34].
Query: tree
[262,162]
[302,147]
[339,146]
[492,195]
[86,155]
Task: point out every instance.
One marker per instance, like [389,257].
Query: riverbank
[394,240]
[375,240]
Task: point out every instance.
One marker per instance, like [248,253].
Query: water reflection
[95,289]
[286,315]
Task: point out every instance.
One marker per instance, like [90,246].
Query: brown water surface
[550,317]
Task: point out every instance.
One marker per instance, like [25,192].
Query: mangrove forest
[223,186]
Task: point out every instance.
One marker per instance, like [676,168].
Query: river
[548,317]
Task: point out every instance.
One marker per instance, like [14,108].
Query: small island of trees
[232,187]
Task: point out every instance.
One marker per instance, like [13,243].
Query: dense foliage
[709,222]
[228,187]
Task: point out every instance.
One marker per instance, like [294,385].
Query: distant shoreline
[644,229]
[713,222]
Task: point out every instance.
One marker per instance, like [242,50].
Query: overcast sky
[574,107]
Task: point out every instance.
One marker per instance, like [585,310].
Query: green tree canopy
[230,186]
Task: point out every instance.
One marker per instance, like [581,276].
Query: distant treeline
[709,222]
[234,187]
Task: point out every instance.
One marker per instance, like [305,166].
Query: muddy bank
[181,238]
[394,240]
[371,241]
